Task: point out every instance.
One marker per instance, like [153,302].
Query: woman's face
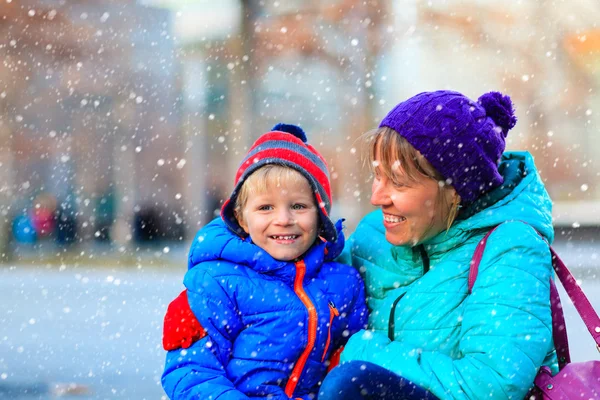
[411,210]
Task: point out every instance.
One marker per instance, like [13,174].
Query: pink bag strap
[476,260]
[559,327]
[580,301]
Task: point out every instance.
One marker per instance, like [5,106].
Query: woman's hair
[397,154]
[259,181]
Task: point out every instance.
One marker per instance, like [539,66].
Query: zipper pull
[335,310]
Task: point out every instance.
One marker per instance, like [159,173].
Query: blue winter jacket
[424,326]
[271,325]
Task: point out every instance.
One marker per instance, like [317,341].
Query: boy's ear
[240,220]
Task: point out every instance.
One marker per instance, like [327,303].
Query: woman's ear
[454,201]
[449,195]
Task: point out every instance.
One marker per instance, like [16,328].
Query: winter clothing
[270,325]
[360,380]
[425,327]
[462,139]
[286,145]
[177,335]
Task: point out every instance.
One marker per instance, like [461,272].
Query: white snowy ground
[102,328]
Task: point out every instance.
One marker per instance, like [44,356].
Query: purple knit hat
[462,139]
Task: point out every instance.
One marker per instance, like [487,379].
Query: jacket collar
[217,242]
[513,200]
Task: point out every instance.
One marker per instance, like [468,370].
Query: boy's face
[283,220]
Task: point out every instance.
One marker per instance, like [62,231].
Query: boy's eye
[265,207]
[298,207]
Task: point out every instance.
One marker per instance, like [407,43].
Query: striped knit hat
[285,145]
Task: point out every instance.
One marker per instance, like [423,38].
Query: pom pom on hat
[293,129]
[500,109]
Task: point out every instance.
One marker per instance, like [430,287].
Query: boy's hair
[396,154]
[259,181]
[285,145]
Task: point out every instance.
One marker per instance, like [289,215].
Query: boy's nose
[285,217]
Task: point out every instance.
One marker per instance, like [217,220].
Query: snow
[102,327]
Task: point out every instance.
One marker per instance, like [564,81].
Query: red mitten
[181,328]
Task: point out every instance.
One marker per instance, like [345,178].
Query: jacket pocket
[333,312]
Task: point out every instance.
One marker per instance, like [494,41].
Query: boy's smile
[282,220]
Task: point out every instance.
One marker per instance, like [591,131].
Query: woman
[442,182]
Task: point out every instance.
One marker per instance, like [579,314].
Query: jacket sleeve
[357,313]
[196,373]
[200,371]
[505,333]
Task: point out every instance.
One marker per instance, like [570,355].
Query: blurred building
[91,114]
[336,67]
[545,54]
[307,63]
[135,115]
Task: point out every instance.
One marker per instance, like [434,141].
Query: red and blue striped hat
[286,145]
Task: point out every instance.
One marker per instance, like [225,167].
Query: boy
[269,306]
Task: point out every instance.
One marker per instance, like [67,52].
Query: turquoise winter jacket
[423,324]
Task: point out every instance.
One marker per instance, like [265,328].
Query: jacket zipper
[312,329]
[425,258]
[392,321]
[333,312]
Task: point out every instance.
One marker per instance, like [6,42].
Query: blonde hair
[396,154]
[259,181]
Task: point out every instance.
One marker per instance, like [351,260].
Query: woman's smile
[392,220]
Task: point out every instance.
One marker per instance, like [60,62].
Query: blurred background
[122,124]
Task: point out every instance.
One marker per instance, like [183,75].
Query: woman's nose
[379,193]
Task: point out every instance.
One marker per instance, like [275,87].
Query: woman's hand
[363,345]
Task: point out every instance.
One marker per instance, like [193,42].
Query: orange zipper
[312,329]
[333,312]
